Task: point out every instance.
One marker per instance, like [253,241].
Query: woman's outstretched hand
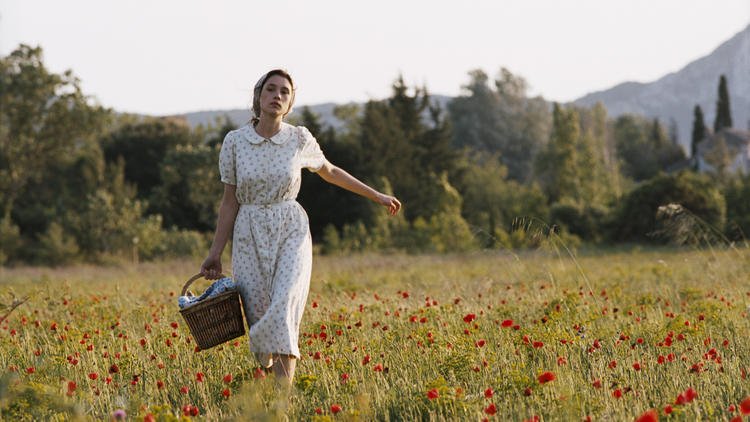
[211,268]
[389,202]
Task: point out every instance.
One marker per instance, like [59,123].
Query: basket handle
[192,279]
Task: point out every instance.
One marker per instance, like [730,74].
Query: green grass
[608,298]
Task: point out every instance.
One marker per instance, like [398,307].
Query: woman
[260,167]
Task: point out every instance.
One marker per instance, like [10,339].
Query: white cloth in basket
[216,288]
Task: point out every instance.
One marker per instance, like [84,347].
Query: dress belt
[269,204]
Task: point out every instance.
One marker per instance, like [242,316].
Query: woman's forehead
[279,80]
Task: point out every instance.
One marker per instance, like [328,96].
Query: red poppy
[71,388]
[597,384]
[114,369]
[378,368]
[30,370]
[199,376]
[527,391]
[546,377]
[470,317]
[649,416]
[680,399]
[612,365]
[432,394]
[637,366]
[159,384]
[226,393]
[184,390]
[366,359]
[488,393]
[480,343]
[690,394]
[745,406]
[507,323]
[318,410]
[617,394]
[335,408]
[538,344]
[93,375]
[491,409]
[736,419]
[668,409]
[227,378]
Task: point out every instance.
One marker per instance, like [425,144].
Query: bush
[56,247]
[185,243]
[737,196]
[10,240]
[635,218]
[584,221]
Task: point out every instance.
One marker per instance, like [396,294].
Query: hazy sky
[168,57]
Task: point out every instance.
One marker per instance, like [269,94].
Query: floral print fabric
[272,247]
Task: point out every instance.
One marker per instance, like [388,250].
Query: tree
[501,120]
[557,165]
[143,146]
[699,130]
[45,120]
[723,115]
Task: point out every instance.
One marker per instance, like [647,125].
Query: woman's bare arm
[341,178]
[211,267]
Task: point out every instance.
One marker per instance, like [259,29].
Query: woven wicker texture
[216,320]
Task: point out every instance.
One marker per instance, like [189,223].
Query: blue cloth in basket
[218,287]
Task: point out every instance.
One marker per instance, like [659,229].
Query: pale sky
[169,57]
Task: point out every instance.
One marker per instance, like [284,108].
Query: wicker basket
[215,320]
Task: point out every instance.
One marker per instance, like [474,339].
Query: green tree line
[495,169]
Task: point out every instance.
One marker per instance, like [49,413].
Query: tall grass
[386,337]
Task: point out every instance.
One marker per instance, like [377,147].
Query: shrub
[57,247]
[10,240]
[635,218]
[584,221]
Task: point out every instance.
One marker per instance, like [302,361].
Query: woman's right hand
[211,268]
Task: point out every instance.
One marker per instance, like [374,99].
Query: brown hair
[259,88]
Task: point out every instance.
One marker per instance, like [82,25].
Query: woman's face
[276,96]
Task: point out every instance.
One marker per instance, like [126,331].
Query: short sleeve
[226,161]
[311,156]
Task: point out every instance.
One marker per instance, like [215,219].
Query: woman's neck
[268,126]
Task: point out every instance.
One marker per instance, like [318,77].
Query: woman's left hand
[389,202]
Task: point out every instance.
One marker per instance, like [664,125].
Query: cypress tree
[723,115]
[699,130]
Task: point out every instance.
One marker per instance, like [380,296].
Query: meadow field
[548,335]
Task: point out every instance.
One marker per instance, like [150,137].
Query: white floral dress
[272,247]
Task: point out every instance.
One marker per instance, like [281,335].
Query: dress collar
[279,138]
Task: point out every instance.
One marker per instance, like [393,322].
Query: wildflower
[199,376]
[366,359]
[527,391]
[30,370]
[637,366]
[538,344]
[114,369]
[488,393]
[184,390]
[690,394]
[546,377]
[617,394]
[597,384]
[119,415]
[227,378]
[378,368]
[335,408]
[668,409]
[432,394]
[612,365]
[491,409]
[159,384]
[745,406]
[469,318]
[72,387]
[649,416]
[226,393]
[93,376]
[507,323]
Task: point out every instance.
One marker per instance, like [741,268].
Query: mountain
[675,95]
[240,117]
